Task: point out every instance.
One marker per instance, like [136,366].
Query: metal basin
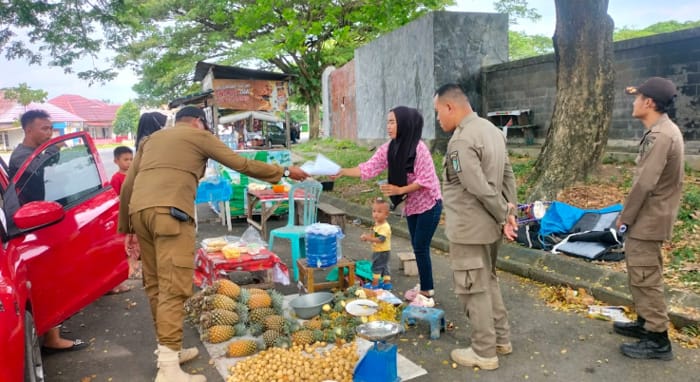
[309,305]
[378,330]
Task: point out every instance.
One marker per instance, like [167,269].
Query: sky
[630,13]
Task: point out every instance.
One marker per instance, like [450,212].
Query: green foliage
[25,95]
[626,33]
[295,37]
[516,9]
[127,118]
[59,33]
[522,45]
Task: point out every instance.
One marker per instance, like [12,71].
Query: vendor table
[269,202]
[211,266]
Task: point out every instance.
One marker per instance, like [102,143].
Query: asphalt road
[548,345]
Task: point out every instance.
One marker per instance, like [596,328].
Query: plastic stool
[436,318]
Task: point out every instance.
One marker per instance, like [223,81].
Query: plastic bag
[252,236]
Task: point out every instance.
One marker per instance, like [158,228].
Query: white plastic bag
[252,236]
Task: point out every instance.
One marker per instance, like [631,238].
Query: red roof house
[98,115]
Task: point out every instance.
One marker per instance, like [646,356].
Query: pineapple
[270,336]
[256,291]
[259,300]
[219,301]
[283,342]
[274,322]
[258,315]
[303,337]
[218,333]
[256,329]
[313,324]
[227,288]
[218,317]
[242,348]
[277,300]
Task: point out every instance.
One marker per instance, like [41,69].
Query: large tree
[25,95]
[578,133]
[166,37]
[127,118]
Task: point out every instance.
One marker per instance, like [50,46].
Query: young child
[123,156]
[381,244]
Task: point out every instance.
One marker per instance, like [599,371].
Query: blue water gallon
[321,245]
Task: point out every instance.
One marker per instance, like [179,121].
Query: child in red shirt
[123,156]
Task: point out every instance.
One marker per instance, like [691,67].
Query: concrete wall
[530,84]
[406,66]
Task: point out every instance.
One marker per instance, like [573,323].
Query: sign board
[257,95]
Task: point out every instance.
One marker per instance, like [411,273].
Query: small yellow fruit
[326,308]
[342,303]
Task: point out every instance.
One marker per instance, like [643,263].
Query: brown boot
[169,368]
[467,357]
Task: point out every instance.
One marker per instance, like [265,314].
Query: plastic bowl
[309,305]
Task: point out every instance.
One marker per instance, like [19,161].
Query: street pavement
[549,345]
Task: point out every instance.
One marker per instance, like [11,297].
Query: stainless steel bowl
[378,330]
[309,305]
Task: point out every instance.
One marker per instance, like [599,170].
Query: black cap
[657,88]
[191,111]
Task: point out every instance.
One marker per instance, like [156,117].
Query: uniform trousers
[476,285]
[645,271]
[167,256]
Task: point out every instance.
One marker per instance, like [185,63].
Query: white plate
[362,307]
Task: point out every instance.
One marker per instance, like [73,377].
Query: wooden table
[269,202]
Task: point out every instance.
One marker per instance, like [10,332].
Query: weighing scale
[379,363]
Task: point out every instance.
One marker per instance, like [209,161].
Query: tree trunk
[314,120]
[578,133]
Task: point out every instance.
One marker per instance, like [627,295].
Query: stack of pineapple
[225,310]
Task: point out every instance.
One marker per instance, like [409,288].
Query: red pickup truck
[57,255]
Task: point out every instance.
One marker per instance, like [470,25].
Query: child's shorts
[380,263]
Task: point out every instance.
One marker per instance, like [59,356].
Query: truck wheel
[33,366]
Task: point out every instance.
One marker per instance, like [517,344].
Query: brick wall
[530,84]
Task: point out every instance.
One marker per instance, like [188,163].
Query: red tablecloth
[210,266]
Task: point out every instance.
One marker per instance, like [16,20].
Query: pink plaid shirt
[423,173]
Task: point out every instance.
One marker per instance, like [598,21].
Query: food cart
[256,101]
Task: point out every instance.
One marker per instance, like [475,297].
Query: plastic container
[322,245]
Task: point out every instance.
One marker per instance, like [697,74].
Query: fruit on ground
[303,337]
[227,288]
[218,333]
[242,348]
[218,317]
[259,300]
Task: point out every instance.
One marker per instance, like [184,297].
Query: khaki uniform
[649,213]
[478,183]
[165,173]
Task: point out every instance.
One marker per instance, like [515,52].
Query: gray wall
[405,67]
[530,84]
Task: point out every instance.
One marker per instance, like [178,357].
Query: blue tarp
[561,217]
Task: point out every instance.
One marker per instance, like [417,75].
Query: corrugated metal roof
[236,73]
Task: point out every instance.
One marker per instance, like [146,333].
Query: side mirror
[38,214]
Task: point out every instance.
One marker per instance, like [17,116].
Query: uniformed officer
[649,213]
[157,203]
[480,198]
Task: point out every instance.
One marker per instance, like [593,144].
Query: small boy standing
[123,156]
[381,244]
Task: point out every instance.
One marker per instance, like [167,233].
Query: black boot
[653,346]
[631,329]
